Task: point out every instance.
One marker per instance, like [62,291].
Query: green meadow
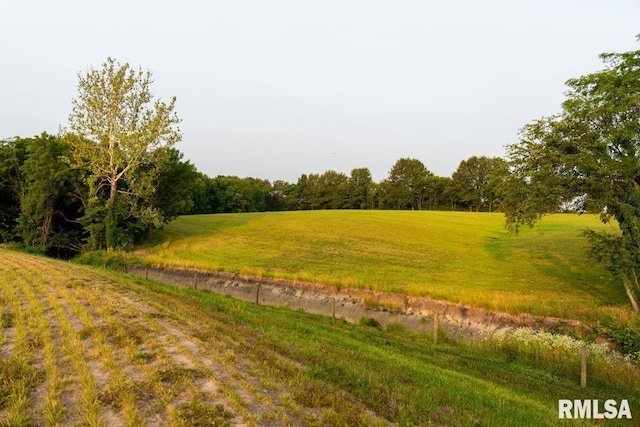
[461,257]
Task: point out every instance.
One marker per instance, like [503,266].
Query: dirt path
[416,313]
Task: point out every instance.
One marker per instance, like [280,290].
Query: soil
[416,313]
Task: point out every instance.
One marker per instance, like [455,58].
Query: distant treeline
[476,185]
[50,205]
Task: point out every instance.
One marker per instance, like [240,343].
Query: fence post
[435,328]
[333,309]
[258,294]
[146,272]
[195,281]
[406,303]
[583,371]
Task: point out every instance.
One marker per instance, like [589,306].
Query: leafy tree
[298,195]
[332,190]
[50,206]
[435,187]
[278,195]
[116,133]
[13,153]
[175,184]
[406,184]
[588,156]
[478,181]
[359,187]
[202,195]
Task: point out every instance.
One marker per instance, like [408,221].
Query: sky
[274,89]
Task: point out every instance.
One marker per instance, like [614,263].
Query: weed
[197,413]
[7,319]
[16,372]
[175,374]
[370,322]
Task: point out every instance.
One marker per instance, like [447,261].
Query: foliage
[119,138]
[230,194]
[52,198]
[114,260]
[13,152]
[406,184]
[586,157]
[478,181]
[174,180]
[370,322]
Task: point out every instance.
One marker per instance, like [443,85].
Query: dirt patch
[416,313]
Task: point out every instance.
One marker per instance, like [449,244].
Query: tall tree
[588,155]
[13,153]
[116,131]
[360,184]
[406,184]
[478,181]
[51,203]
[175,185]
[435,187]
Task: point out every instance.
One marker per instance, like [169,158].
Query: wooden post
[258,294]
[406,303]
[333,309]
[146,272]
[583,371]
[195,281]
[435,328]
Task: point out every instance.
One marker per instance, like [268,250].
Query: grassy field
[457,256]
[85,346]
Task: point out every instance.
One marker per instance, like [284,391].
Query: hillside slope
[461,257]
[86,346]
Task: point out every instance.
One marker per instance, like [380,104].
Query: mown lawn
[457,256]
[85,346]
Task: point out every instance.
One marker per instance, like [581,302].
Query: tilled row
[80,348]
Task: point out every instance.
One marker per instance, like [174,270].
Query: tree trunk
[111,224]
[635,277]
[634,303]
[46,226]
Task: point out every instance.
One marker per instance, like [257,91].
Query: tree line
[477,185]
[49,203]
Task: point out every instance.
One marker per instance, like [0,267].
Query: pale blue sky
[274,89]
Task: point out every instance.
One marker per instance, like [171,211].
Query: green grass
[457,256]
[315,371]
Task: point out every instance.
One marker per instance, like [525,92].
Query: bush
[368,321]
[115,260]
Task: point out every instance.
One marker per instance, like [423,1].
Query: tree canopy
[587,157]
[118,135]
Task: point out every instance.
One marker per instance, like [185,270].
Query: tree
[13,153]
[51,204]
[406,184]
[435,191]
[116,133]
[175,184]
[587,156]
[478,181]
[359,184]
